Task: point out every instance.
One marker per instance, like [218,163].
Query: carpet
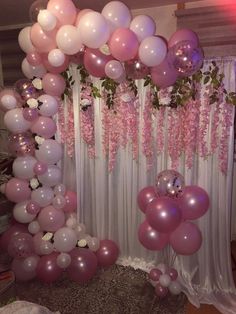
[117,290]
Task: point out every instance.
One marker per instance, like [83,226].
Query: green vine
[184,90]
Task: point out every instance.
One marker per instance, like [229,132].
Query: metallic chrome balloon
[169,183]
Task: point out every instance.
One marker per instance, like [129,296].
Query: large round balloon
[53,84]
[194,202]
[152,51]
[21,245]
[143,26]
[95,62]
[47,20]
[117,14]
[24,40]
[42,196]
[163,75]
[23,167]
[169,183]
[47,269]
[48,105]
[145,196]
[51,177]
[182,35]
[21,214]
[15,122]
[186,239]
[150,238]
[17,190]
[43,41]
[69,39]
[83,265]
[107,253]
[64,10]
[51,219]
[123,44]
[44,126]
[50,152]
[163,214]
[20,271]
[65,239]
[31,71]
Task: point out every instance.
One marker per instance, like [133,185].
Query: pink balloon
[183,35]
[163,214]
[21,245]
[53,84]
[152,239]
[145,196]
[63,10]
[83,265]
[160,291]
[34,58]
[44,126]
[17,190]
[30,114]
[55,70]
[47,269]
[186,239]
[42,40]
[194,202]
[9,233]
[172,272]
[71,202]
[32,208]
[20,272]
[107,253]
[155,274]
[51,219]
[40,168]
[123,44]
[163,75]
[80,14]
[95,62]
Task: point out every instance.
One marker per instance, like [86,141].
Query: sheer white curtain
[108,207]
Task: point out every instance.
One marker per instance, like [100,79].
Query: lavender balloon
[150,238]
[145,196]
[169,183]
[163,214]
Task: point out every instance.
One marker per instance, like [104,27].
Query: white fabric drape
[108,207]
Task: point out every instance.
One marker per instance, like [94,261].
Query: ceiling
[13,12]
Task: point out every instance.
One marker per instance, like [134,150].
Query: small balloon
[160,291]
[169,183]
[155,274]
[63,260]
[32,208]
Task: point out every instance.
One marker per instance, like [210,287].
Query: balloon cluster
[164,279]
[46,237]
[109,44]
[168,208]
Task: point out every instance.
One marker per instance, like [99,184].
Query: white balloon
[143,26]
[23,167]
[69,40]
[175,288]
[24,40]
[47,20]
[49,106]
[152,51]
[15,122]
[50,152]
[114,69]
[117,14]
[20,213]
[165,280]
[93,29]
[51,177]
[8,102]
[34,227]
[43,196]
[31,71]
[56,57]
[65,239]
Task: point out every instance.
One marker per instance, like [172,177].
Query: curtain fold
[108,206]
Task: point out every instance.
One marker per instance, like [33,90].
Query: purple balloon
[150,238]
[47,269]
[21,245]
[107,253]
[194,202]
[145,196]
[163,214]
[160,291]
[32,208]
[95,61]
[21,274]
[51,219]
[186,239]
[183,35]
[163,75]
[172,272]
[40,168]
[44,126]
[17,190]
[30,114]
[155,274]
[83,265]
[11,232]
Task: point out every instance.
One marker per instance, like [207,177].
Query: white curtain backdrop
[108,207]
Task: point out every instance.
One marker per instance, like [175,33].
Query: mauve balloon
[44,126]
[172,272]
[83,265]
[186,239]
[17,190]
[95,62]
[107,253]
[21,245]
[145,196]
[150,238]
[160,291]
[51,219]
[9,233]
[47,269]
[163,75]
[155,274]
[21,274]
[163,214]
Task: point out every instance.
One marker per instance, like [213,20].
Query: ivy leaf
[206,79]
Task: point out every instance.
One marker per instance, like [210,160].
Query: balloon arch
[46,237]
